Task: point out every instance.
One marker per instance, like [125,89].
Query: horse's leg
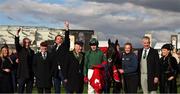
[107,86]
[116,87]
[107,80]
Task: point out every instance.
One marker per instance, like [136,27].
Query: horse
[112,75]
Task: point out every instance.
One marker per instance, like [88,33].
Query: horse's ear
[116,42]
[109,41]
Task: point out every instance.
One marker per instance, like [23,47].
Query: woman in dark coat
[6,84]
[42,69]
[75,69]
[168,70]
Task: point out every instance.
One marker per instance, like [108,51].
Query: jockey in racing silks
[94,61]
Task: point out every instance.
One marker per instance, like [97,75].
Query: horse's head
[111,51]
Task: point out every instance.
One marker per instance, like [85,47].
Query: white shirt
[44,55]
[147,52]
[58,47]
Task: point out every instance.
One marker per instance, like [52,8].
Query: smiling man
[148,66]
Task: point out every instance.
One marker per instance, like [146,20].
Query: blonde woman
[6,84]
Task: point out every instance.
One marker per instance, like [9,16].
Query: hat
[79,43]
[167,46]
[93,41]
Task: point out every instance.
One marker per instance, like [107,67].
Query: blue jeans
[57,82]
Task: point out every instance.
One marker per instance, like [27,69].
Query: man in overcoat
[25,73]
[42,69]
[148,67]
[59,53]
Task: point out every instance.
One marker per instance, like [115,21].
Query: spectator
[75,66]
[6,84]
[59,54]
[42,69]
[168,70]
[130,67]
[148,66]
[25,73]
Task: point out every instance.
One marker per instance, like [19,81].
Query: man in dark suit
[59,59]
[42,69]
[25,73]
[75,69]
[148,66]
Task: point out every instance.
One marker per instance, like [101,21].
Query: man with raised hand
[59,59]
[25,73]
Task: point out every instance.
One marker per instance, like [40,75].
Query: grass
[85,88]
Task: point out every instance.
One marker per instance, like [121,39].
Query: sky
[125,20]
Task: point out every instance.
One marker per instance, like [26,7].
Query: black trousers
[131,82]
[79,91]
[28,83]
[6,85]
[44,90]
[58,81]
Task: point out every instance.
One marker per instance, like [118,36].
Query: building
[175,41]
[40,33]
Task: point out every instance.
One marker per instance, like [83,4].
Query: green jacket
[93,58]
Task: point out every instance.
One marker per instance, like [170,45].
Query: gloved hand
[121,71]
[85,79]
[104,62]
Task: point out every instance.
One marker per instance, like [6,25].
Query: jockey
[93,60]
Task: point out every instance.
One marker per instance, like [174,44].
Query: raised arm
[67,39]
[17,44]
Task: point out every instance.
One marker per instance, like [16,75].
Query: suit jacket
[75,72]
[152,67]
[59,56]
[25,57]
[42,70]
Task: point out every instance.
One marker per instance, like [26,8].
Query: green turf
[85,88]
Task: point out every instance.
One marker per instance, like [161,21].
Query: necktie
[44,56]
[77,56]
[145,53]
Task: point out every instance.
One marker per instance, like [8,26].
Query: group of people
[72,69]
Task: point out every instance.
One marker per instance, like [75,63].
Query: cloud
[118,19]
[165,5]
